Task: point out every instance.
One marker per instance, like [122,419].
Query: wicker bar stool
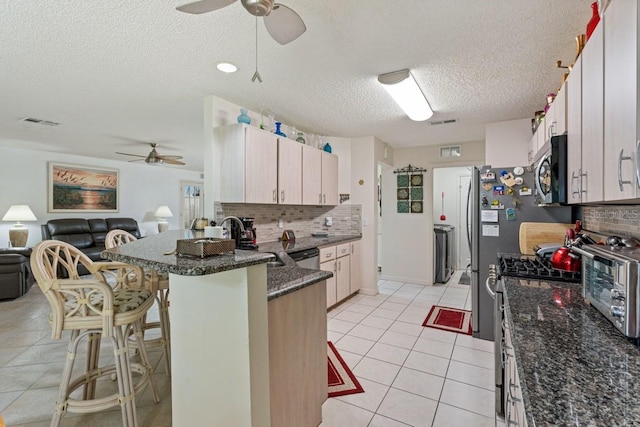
[93,309]
[158,283]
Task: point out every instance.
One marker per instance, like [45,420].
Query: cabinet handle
[638,162]
[582,175]
[275,196]
[328,255]
[339,265]
[621,157]
[324,199]
[282,196]
[353,247]
[335,265]
[574,178]
[320,198]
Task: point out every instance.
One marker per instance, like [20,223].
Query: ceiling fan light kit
[405,91]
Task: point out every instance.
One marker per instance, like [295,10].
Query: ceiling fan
[154,158]
[283,24]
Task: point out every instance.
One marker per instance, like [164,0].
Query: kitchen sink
[273,264]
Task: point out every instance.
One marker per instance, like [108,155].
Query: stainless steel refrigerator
[498,203]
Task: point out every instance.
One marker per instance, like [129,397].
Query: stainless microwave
[550,173]
[610,284]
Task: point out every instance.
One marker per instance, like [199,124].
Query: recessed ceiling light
[227,67]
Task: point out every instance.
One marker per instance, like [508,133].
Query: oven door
[543,179]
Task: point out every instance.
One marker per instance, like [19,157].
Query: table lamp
[162,213]
[18,234]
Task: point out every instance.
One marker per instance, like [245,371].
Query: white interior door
[191,202]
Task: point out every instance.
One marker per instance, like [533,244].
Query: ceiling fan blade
[283,24]
[168,157]
[127,154]
[204,6]
[162,159]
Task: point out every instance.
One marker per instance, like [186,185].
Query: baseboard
[405,279]
[368,292]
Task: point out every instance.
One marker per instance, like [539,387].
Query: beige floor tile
[418,382]
[389,305]
[388,353]
[350,316]
[408,408]
[381,421]
[354,344]
[336,413]
[427,363]
[473,357]
[472,375]
[434,347]
[373,394]
[470,398]
[406,328]
[377,322]
[450,416]
[366,332]
[387,314]
[360,308]
[376,370]
[398,339]
[475,343]
[340,326]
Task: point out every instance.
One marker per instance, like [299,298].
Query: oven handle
[491,292]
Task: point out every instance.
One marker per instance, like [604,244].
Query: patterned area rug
[341,379]
[449,319]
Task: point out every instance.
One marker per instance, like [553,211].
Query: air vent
[443,122]
[39,121]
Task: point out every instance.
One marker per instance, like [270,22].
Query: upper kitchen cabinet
[329,179]
[249,164]
[289,172]
[556,117]
[319,177]
[258,166]
[591,182]
[621,120]
[573,87]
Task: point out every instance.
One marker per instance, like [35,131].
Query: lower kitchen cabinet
[298,357]
[355,265]
[342,260]
[514,408]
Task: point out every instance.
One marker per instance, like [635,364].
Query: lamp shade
[19,213]
[405,91]
[163,212]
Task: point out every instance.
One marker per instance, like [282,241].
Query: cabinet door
[331,282]
[573,86]
[620,100]
[329,179]
[356,275]
[289,172]
[311,176]
[261,166]
[343,287]
[558,124]
[593,117]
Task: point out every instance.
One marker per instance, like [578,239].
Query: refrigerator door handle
[488,286]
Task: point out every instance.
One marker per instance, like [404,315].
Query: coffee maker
[246,240]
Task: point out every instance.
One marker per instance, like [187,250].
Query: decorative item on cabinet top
[244,117]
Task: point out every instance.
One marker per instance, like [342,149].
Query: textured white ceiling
[120,73]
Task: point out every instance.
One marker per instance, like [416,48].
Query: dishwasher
[307,258]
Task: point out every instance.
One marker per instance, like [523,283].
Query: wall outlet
[328,221]
[281,223]
[365,221]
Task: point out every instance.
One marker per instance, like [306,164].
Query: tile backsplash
[622,220]
[303,220]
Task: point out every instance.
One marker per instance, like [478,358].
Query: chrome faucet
[236,219]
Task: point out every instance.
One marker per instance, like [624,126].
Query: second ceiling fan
[283,24]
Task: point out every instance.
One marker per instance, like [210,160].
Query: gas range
[531,267]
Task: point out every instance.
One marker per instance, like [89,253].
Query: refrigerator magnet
[498,190]
[487,186]
[511,214]
[487,176]
[525,191]
[518,170]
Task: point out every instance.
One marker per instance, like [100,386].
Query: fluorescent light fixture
[405,91]
[227,67]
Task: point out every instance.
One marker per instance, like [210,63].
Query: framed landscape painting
[77,188]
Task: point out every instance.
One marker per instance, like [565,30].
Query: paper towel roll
[213,231]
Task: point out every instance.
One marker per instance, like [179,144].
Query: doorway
[191,202]
[450,192]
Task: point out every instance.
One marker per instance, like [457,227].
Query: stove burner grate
[534,268]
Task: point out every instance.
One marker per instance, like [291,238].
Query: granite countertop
[150,253]
[575,368]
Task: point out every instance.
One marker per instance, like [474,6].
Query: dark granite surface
[575,368]
[150,253]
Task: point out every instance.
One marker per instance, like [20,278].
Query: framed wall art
[78,188]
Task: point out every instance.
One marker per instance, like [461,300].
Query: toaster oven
[610,284]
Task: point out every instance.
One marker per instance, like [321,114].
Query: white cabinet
[319,177]
[591,182]
[515,414]
[343,281]
[249,166]
[343,261]
[258,166]
[537,140]
[289,172]
[356,275]
[556,117]
[329,179]
[328,263]
[621,121]
[574,133]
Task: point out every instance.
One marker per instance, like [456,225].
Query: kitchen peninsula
[233,329]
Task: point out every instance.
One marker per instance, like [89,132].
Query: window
[450,151]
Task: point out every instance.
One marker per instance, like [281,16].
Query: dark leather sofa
[15,272]
[88,235]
